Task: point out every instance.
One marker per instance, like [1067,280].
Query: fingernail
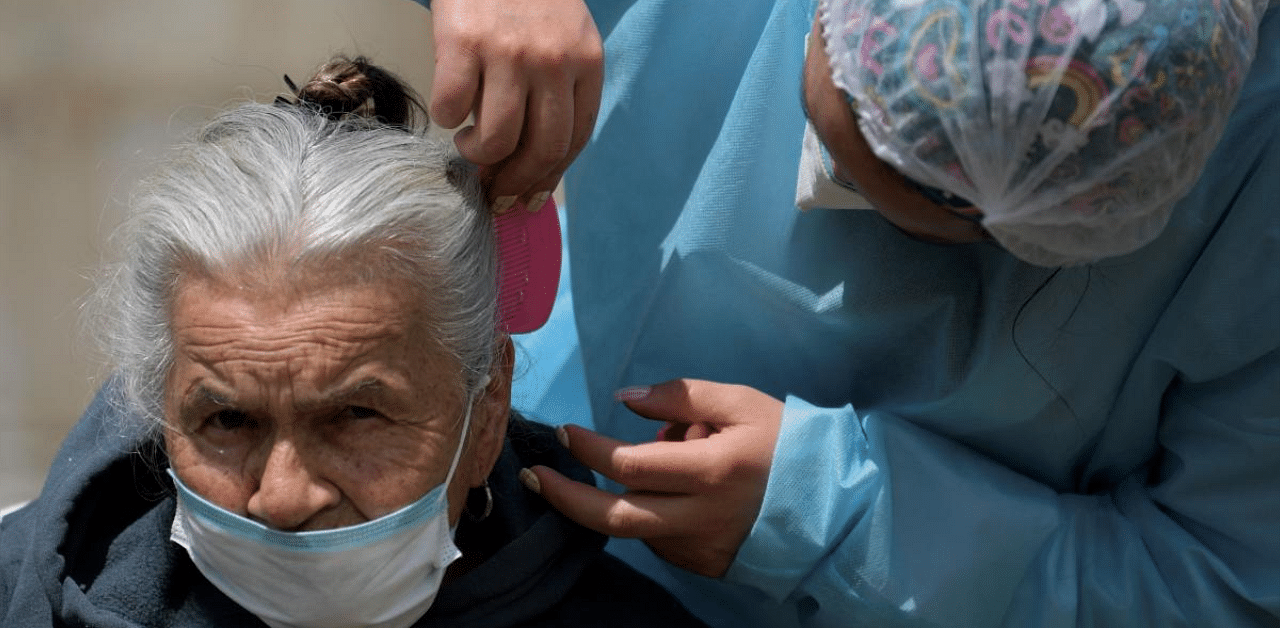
[502,204]
[562,435]
[530,481]
[537,201]
[632,393]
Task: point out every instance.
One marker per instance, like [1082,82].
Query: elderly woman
[309,423]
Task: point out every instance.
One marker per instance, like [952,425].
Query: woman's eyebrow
[204,396]
[201,396]
[368,386]
[199,400]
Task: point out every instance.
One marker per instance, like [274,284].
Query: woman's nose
[289,493]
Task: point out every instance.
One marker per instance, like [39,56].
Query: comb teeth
[528,266]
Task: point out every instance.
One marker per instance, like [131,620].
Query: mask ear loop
[466,428]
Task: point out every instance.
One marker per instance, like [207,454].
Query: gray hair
[285,185]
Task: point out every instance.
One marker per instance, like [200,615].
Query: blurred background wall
[91,94]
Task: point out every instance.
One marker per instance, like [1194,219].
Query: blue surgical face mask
[383,573]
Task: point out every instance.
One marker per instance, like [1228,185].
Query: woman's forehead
[357,337]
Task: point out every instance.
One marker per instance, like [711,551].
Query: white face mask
[816,185]
[382,573]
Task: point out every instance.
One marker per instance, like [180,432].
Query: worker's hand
[531,72]
[693,495]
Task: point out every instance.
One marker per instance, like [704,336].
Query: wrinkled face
[853,160]
[328,407]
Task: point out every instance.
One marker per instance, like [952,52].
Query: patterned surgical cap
[1074,125]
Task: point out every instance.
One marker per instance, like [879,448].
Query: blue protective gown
[968,440]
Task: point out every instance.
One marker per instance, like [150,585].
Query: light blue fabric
[968,440]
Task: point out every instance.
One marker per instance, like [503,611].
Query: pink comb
[528,266]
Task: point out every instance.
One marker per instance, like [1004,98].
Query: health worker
[1017,364]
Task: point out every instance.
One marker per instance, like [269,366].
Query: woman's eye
[231,420]
[360,412]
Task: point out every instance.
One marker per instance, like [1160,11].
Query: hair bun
[355,87]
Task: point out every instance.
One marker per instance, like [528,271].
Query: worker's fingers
[630,515]
[530,72]
[499,118]
[586,99]
[456,86]
[692,496]
[586,104]
[665,467]
[543,146]
[696,401]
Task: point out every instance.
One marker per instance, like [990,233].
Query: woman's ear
[489,417]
